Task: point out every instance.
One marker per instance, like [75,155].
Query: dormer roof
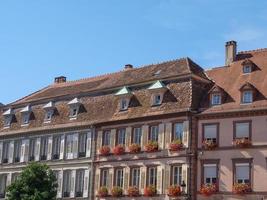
[49,105]
[123,91]
[26,109]
[8,112]
[157,85]
[74,101]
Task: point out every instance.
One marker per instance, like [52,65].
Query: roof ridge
[254,50]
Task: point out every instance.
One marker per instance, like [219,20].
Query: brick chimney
[60,79]
[128,67]
[230,52]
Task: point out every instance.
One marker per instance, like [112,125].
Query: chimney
[230,52]
[128,67]
[60,79]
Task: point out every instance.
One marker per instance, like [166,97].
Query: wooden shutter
[186,133]
[185,176]
[62,147]
[159,179]
[9,179]
[126,174]
[110,178]
[60,185]
[72,183]
[97,180]
[144,138]
[89,144]
[75,145]
[24,153]
[113,138]
[99,140]
[167,178]
[128,136]
[86,183]
[37,149]
[168,134]
[161,136]
[1,151]
[142,178]
[11,152]
[49,148]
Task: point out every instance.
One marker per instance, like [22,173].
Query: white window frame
[121,136]
[247,69]
[56,147]
[7,120]
[154,133]
[246,178]
[135,177]
[216,99]
[119,175]
[5,154]
[106,138]
[82,144]
[152,176]
[74,110]
[48,115]
[44,148]
[79,186]
[247,96]
[137,135]
[17,150]
[124,104]
[178,131]
[25,118]
[104,177]
[210,136]
[66,183]
[32,149]
[209,176]
[176,172]
[157,99]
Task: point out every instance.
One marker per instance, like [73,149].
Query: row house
[163,131]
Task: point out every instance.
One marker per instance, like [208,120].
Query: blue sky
[41,39]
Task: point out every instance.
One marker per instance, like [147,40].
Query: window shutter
[89,144]
[161,136]
[49,150]
[185,176]
[113,138]
[159,179]
[24,153]
[167,179]
[60,180]
[144,138]
[86,183]
[128,136]
[72,183]
[62,147]
[126,174]
[99,140]
[1,151]
[11,152]
[37,149]
[142,179]
[9,179]
[75,145]
[97,181]
[168,134]
[110,178]
[186,133]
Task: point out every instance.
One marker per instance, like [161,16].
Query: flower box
[209,144]
[133,191]
[103,192]
[242,142]
[150,191]
[151,146]
[134,148]
[116,192]
[208,189]
[104,150]
[174,191]
[119,150]
[176,145]
[241,188]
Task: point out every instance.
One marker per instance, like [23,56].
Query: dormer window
[25,115]
[158,90]
[216,99]
[125,97]
[49,112]
[8,116]
[74,108]
[247,69]
[247,96]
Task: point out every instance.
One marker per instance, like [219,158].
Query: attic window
[157,99]
[74,108]
[8,115]
[124,104]
[25,115]
[216,99]
[247,96]
[157,90]
[125,97]
[49,111]
[247,69]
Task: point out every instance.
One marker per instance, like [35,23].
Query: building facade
[156,131]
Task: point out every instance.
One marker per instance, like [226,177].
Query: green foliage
[36,182]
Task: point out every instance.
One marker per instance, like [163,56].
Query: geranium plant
[242,142]
[208,189]
[241,188]
[176,145]
[151,146]
[116,192]
[150,191]
[133,191]
[104,150]
[174,191]
[209,144]
[119,150]
[134,148]
[103,192]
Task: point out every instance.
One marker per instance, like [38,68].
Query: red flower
[103,192]
[151,146]
[242,142]
[209,144]
[116,192]
[208,189]
[133,191]
[119,149]
[174,191]
[134,148]
[150,191]
[104,150]
[176,145]
[241,188]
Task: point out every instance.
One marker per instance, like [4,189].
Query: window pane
[178,131]
[137,136]
[176,175]
[210,131]
[242,129]
[82,144]
[242,172]
[106,138]
[153,136]
[247,97]
[121,136]
[135,177]
[210,173]
[216,99]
